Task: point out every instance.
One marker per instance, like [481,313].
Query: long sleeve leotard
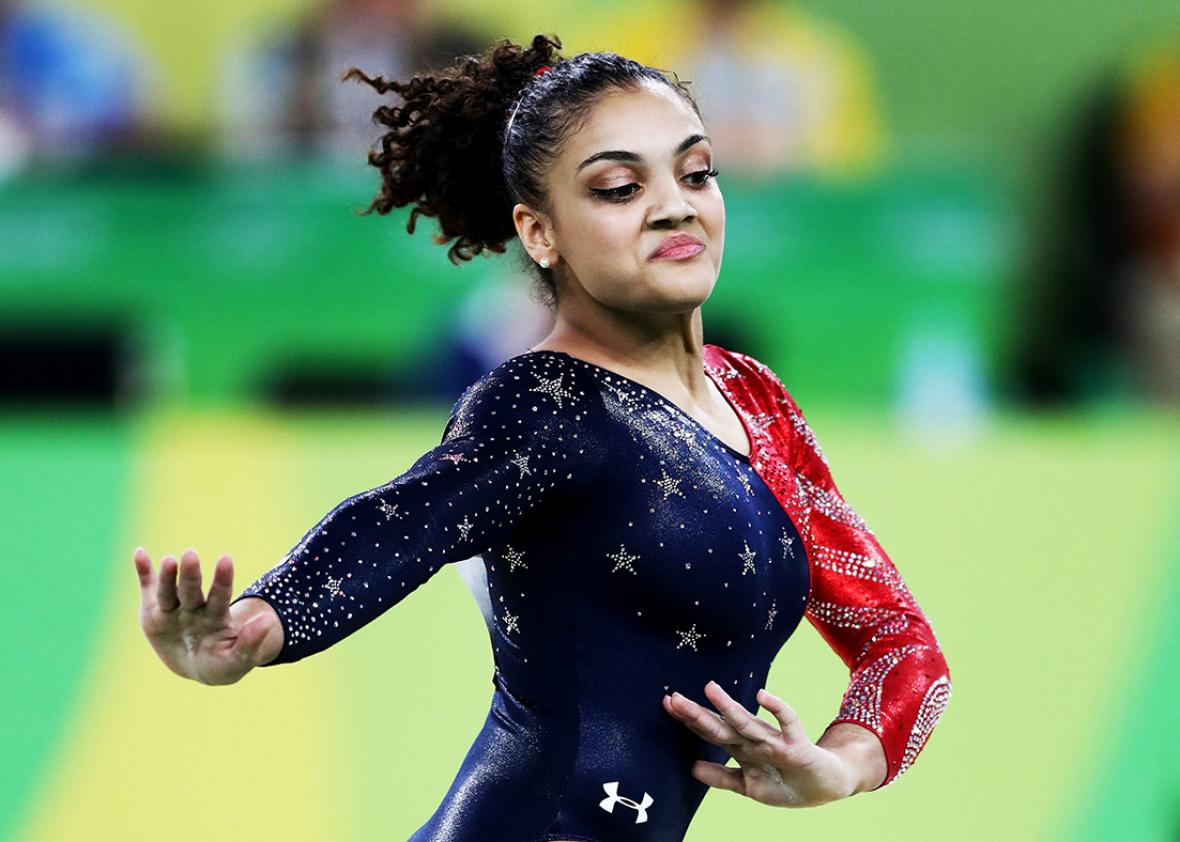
[629,552]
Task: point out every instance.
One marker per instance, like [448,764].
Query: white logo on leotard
[612,791]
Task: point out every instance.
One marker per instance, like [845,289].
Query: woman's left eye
[703,176]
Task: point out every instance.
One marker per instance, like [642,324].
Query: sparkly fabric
[629,552]
[900,683]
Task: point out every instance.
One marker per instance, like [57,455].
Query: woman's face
[635,175]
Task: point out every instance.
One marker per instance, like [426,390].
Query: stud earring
[544,261]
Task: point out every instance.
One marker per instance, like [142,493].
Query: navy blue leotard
[629,552]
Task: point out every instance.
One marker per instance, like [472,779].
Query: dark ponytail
[469,142]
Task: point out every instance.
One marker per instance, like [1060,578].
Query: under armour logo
[613,798]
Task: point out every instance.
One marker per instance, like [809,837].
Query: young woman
[654,513]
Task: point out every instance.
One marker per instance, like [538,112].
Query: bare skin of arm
[201,636]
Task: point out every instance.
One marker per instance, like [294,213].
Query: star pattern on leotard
[551,387]
[690,637]
[596,436]
[747,556]
[668,484]
[622,560]
[521,461]
[515,558]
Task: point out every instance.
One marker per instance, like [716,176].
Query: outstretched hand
[198,637]
[778,766]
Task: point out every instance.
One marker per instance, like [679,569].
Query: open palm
[198,637]
[778,766]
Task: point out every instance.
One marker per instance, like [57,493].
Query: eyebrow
[623,155]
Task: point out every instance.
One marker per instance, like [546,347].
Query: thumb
[250,638]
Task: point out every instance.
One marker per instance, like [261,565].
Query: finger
[704,723]
[222,588]
[745,723]
[166,597]
[717,775]
[189,588]
[787,718]
[143,567]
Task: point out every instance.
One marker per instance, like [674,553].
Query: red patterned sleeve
[900,683]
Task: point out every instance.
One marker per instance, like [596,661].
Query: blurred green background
[953,234]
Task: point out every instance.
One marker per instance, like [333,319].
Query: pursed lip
[678,246]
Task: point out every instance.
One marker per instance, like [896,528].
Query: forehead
[650,120]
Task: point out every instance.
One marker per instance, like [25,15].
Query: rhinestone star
[747,556]
[770,615]
[622,560]
[521,461]
[333,586]
[510,621]
[454,457]
[465,527]
[669,484]
[788,542]
[551,386]
[690,637]
[515,559]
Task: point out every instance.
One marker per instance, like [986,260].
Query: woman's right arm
[521,433]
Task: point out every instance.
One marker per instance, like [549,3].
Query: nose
[670,206]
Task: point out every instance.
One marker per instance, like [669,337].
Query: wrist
[247,609]
[861,751]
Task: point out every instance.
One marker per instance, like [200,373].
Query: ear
[534,232]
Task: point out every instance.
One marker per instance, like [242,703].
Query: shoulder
[526,393]
[767,389]
[736,364]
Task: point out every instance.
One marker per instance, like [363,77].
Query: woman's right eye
[615,194]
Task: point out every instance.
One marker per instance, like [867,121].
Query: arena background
[209,349]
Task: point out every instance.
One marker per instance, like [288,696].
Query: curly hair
[470,141]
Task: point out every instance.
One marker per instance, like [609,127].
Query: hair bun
[442,152]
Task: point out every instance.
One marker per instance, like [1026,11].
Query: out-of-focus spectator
[779,89]
[1147,160]
[1102,314]
[284,93]
[72,83]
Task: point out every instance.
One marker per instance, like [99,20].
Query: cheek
[605,236]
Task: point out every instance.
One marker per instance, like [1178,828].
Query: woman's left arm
[899,680]
[899,683]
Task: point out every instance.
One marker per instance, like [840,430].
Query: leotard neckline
[672,404]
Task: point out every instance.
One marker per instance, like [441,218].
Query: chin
[685,289]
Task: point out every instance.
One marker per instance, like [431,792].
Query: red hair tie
[541,69]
